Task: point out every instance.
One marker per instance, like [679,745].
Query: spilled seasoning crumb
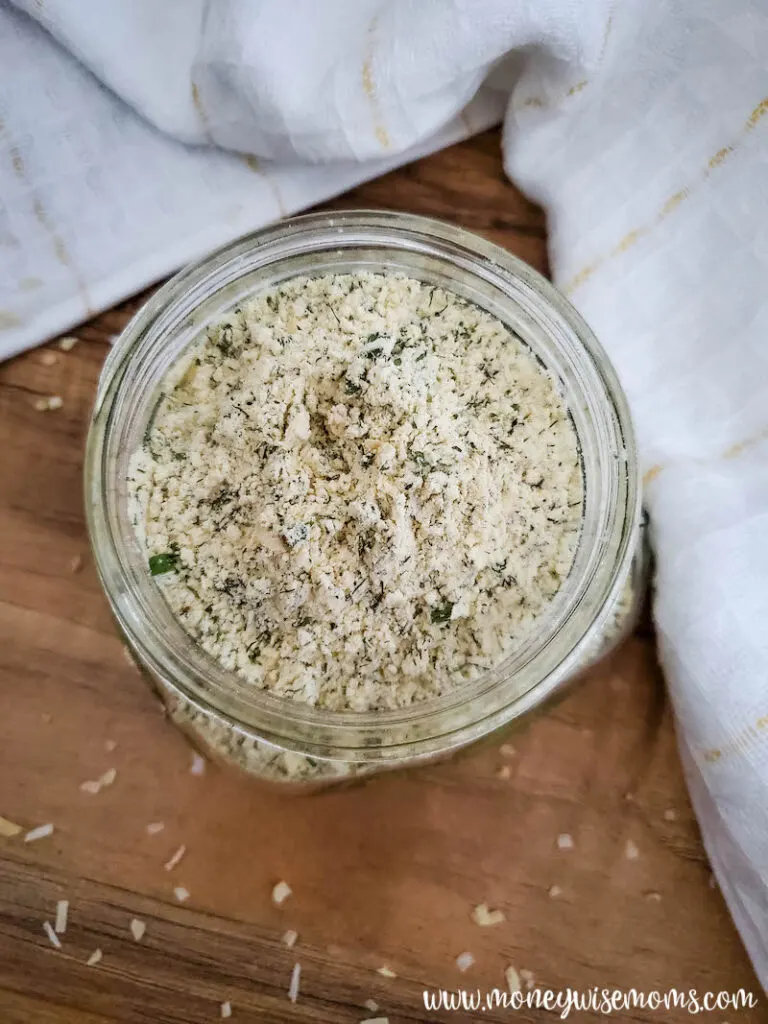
[505,772]
[110,745]
[154,827]
[554,891]
[41,832]
[176,858]
[386,972]
[631,851]
[53,938]
[290,938]
[62,913]
[293,988]
[68,343]
[375,1020]
[94,786]
[181,894]
[48,358]
[565,841]
[226,1009]
[281,892]
[670,815]
[371,1004]
[138,928]
[464,961]
[359,491]
[94,958]
[486,918]
[48,403]
[653,897]
[513,980]
[507,750]
[198,765]
[9,829]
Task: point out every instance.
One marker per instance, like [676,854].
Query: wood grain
[383,874]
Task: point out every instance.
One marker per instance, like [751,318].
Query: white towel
[639,125]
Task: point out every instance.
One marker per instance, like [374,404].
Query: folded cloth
[96,203]
[640,127]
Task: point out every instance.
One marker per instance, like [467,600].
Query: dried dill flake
[442,613]
[159,564]
[360,491]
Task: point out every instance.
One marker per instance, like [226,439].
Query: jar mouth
[482,273]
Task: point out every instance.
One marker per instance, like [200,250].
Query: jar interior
[482,274]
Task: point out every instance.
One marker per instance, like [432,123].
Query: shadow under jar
[288,742]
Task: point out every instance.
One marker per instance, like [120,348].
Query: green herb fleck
[424,466]
[365,541]
[442,613]
[254,649]
[224,341]
[225,495]
[160,564]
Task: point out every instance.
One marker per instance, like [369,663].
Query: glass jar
[286,741]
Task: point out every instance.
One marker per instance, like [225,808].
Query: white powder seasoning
[359,491]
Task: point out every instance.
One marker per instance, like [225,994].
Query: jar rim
[575,617]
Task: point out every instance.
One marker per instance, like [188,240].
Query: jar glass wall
[286,741]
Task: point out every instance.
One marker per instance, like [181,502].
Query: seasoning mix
[361,491]
[358,491]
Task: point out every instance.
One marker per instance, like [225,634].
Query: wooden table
[385,874]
